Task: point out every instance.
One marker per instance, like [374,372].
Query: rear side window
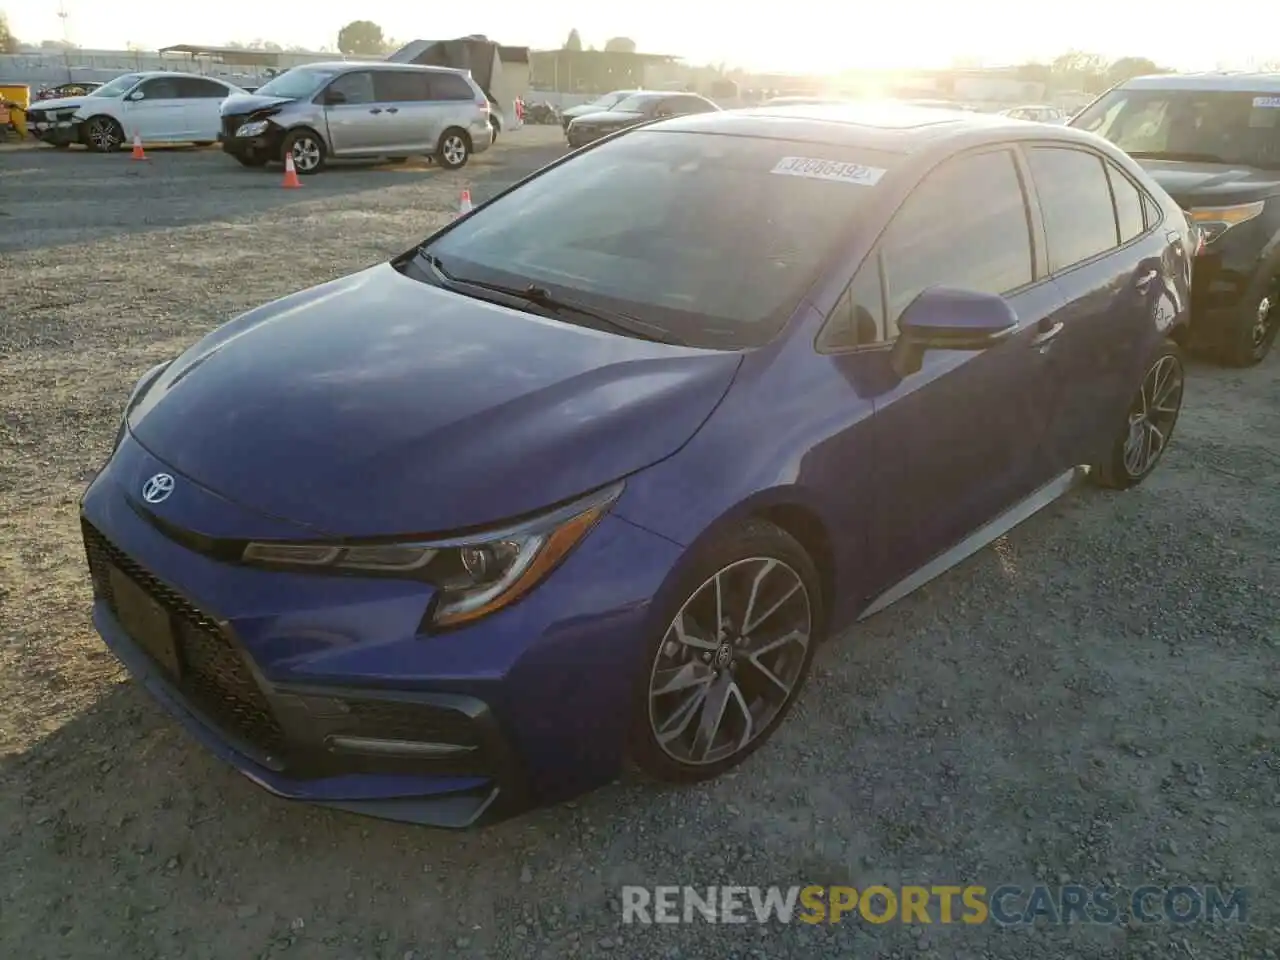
[197,89]
[1129,200]
[355,87]
[450,86]
[964,226]
[1075,198]
[400,86]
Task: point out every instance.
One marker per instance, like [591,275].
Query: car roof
[1244,82]
[149,74]
[348,65]
[889,127]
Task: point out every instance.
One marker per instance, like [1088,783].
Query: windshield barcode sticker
[1271,102]
[837,170]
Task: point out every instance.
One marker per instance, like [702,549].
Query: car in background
[600,104]
[1213,142]
[1037,113]
[157,106]
[590,472]
[635,109]
[352,111]
[64,90]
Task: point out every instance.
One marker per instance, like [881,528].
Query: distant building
[597,71]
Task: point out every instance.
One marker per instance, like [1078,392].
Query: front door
[960,441]
[155,111]
[353,114]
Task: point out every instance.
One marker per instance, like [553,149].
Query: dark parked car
[1213,142]
[606,102]
[591,471]
[636,109]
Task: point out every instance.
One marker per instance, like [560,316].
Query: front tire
[713,692]
[454,149]
[103,134]
[251,159]
[1144,436]
[308,152]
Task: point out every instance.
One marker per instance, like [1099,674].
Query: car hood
[1207,184]
[241,103]
[60,103]
[379,405]
[613,117]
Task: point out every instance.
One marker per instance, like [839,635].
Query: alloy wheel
[104,135]
[1265,322]
[306,154]
[1153,415]
[454,150]
[730,661]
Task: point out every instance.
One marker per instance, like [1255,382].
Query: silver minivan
[339,111]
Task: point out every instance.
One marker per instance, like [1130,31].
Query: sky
[819,36]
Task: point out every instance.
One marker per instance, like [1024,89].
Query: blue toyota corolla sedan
[588,475]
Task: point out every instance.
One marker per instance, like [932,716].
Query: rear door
[405,124]
[960,441]
[354,123]
[202,99]
[160,113]
[1122,274]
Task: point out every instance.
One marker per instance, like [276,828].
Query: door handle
[393,109]
[376,110]
[1046,335]
[1146,280]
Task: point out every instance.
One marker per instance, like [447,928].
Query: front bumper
[57,133]
[326,689]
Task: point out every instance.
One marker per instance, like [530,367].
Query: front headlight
[1213,222]
[476,575]
[254,129]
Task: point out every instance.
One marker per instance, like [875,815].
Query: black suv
[1213,142]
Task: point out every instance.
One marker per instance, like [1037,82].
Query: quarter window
[964,226]
[858,317]
[1075,198]
[450,86]
[1128,198]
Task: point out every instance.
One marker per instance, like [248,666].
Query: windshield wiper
[1175,155]
[542,297]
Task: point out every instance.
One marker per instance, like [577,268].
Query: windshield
[609,100]
[1212,125]
[117,87]
[296,83]
[654,225]
[638,102]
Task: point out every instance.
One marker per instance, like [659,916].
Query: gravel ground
[1093,698]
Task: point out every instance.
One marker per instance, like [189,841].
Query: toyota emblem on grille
[158,488]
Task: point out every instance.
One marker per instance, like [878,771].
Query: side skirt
[988,532]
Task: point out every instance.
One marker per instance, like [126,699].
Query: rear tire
[493,126]
[1255,328]
[1143,437]
[308,151]
[454,149]
[708,695]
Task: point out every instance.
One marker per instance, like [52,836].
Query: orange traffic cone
[291,180]
[465,206]
[138,153]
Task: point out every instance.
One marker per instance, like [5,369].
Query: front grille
[231,124]
[214,676]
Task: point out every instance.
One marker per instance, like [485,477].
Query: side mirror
[335,98]
[136,95]
[946,319]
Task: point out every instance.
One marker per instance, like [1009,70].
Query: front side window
[714,239]
[160,88]
[1075,198]
[354,87]
[964,226]
[1222,126]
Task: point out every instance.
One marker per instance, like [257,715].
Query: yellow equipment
[15,97]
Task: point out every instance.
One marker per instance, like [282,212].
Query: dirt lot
[1092,700]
